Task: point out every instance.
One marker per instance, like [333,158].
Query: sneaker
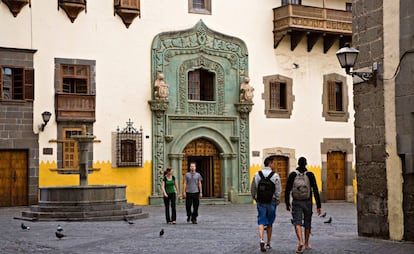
[268,246]
[262,246]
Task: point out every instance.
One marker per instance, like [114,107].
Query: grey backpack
[301,186]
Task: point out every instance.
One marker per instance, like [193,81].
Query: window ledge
[336,113]
[72,171]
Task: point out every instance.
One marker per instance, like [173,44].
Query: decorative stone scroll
[199,39]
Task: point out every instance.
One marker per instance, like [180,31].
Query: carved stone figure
[246,91]
[160,88]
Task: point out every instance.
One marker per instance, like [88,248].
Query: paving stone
[220,229]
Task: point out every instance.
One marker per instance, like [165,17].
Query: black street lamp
[347,57]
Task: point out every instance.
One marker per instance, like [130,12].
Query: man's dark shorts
[302,213]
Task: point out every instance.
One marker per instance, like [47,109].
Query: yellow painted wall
[316,170]
[137,180]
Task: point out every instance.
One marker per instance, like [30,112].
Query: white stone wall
[123,67]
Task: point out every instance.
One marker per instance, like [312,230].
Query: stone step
[80,208]
[93,218]
[76,216]
[209,201]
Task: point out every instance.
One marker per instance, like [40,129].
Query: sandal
[299,249]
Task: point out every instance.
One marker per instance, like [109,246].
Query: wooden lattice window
[75,79]
[278,95]
[201,85]
[335,96]
[16,83]
[129,147]
[199,6]
[70,148]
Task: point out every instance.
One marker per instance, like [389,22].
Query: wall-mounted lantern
[46,117]
[347,57]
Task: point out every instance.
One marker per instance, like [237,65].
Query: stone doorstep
[208,201]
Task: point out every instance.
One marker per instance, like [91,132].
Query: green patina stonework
[223,121]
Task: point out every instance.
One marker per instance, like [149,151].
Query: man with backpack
[265,189]
[302,183]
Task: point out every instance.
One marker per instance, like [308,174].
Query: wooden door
[336,176]
[207,159]
[282,168]
[13,178]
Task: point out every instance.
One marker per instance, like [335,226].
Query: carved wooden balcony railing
[15,6]
[313,22]
[75,107]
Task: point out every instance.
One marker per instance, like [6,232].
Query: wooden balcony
[75,107]
[313,22]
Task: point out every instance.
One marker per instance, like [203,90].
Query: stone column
[228,175]
[176,162]
[83,140]
[158,108]
[244,109]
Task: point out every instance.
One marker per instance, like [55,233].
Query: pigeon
[24,227]
[329,220]
[128,221]
[323,215]
[59,228]
[59,235]
[161,232]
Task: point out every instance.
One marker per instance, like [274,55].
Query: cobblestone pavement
[221,229]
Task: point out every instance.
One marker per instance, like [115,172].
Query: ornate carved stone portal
[186,117]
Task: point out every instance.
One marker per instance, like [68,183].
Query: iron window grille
[129,146]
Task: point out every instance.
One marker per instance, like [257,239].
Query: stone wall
[370,145]
[16,122]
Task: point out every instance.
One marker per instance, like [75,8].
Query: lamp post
[347,57]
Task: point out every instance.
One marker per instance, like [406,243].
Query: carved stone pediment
[72,7]
[15,6]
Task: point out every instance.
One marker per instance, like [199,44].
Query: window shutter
[133,4]
[331,96]
[28,84]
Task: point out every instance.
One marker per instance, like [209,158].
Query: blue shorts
[266,213]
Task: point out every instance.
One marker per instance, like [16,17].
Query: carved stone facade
[222,121]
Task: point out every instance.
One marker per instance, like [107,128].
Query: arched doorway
[206,156]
